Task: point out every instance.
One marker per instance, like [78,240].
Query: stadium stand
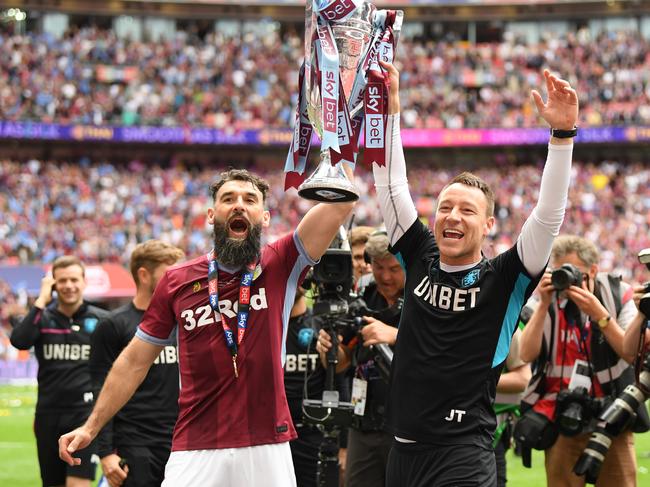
[100,211]
[248,80]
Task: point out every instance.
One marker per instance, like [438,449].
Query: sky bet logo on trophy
[342,91]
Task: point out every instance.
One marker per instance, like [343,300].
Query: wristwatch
[564,134]
[603,322]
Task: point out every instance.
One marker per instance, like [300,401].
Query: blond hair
[151,254]
[359,235]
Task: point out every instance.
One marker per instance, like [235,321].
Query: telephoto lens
[615,419]
[566,276]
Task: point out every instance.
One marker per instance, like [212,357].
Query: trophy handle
[328,184]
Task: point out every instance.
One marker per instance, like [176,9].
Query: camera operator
[302,360]
[368,442]
[576,335]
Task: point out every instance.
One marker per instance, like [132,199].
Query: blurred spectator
[12,309]
[100,211]
[250,80]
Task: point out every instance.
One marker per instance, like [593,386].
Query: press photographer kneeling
[576,337]
[368,442]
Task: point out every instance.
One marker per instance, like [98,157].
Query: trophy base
[328,184]
[324,192]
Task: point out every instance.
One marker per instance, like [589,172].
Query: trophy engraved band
[342,91]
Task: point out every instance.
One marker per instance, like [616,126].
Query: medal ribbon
[242,306]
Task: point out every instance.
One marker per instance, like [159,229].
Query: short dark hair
[474,181]
[239,175]
[68,261]
[151,254]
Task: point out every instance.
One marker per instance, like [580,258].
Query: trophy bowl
[341,62]
[352,35]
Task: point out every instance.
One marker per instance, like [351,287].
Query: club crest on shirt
[257,271]
[470,278]
[90,324]
[196,287]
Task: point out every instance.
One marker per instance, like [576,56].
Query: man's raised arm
[391,183]
[127,373]
[321,223]
[561,113]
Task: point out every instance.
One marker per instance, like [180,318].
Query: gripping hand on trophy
[393,87]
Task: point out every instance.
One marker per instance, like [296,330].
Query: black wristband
[564,134]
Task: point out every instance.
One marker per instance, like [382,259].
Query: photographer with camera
[368,442]
[632,342]
[624,412]
[576,336]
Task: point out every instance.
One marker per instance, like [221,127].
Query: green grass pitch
[19,465]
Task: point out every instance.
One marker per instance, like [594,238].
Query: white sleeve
[543,224]
[391,183]
[627,314]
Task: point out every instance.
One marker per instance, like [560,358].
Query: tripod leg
[328,460]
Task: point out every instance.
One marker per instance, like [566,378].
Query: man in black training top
[60,334]
[301,339]
[460,309]
[140,434]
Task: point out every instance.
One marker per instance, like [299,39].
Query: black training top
[62,347]
[301,358]
[454,336]
[148,418]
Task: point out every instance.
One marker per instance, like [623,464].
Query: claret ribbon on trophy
[342,120]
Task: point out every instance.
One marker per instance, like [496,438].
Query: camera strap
[640,351]
[568,322]
[243,304]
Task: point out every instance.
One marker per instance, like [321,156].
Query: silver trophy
[353,36]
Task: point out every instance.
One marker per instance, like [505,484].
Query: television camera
[339,311]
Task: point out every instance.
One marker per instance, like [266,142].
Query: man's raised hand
[561,108]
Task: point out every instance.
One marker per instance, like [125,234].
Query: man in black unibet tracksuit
[60,336]
[460,308]
[135,445]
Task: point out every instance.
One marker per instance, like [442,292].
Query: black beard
[235,253]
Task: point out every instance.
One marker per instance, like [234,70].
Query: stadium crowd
[249,80]
[99,211]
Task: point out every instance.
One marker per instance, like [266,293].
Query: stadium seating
[100,211]
[249,81]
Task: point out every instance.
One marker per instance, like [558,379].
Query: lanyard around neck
[242,306]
